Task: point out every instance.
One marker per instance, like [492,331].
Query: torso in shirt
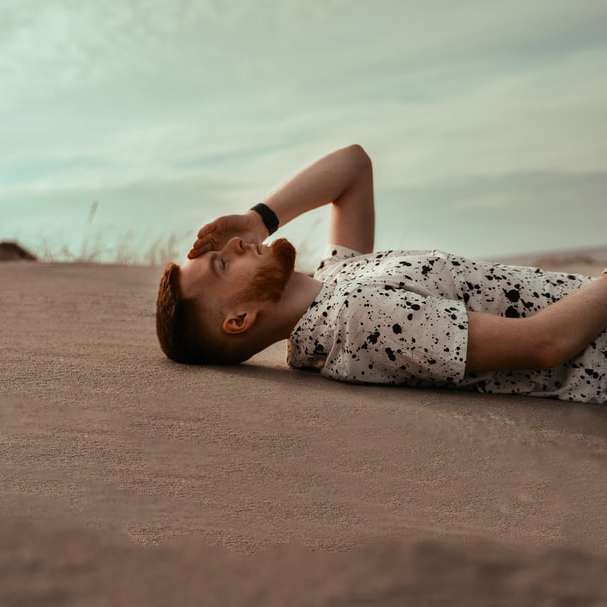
[411,286]
[395,282]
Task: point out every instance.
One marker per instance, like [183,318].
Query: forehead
[195,272]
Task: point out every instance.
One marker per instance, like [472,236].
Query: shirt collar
[297,343]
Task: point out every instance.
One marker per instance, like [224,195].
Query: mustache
[282,248]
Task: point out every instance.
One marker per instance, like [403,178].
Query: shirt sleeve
[397,336]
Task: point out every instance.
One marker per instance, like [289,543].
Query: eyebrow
[212,264]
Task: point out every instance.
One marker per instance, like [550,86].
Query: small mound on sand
[11,251]
[61,564]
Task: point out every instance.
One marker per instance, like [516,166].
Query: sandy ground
[127,479]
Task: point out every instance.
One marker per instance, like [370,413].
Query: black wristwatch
[267,215]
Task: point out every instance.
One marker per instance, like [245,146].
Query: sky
[126,126]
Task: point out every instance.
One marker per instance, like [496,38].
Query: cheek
[243,271]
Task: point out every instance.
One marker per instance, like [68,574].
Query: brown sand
[127,479]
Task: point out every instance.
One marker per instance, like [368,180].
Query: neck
[298,294]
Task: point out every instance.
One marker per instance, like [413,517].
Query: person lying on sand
[421,318]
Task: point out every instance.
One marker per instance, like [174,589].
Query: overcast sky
[486,121]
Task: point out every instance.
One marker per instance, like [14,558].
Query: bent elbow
[362,155]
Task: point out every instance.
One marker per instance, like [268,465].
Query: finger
[205,245]
[204,240]
[200,247]
[192,253]
[210,227]
[196,249]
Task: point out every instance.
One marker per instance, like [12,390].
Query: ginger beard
[271,279]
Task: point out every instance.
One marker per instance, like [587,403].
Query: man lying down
[421,318]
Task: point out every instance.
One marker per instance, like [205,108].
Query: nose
[237,244]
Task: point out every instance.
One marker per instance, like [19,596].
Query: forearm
[322,182]
[576,320]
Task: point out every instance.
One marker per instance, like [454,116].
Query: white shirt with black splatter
[400,317]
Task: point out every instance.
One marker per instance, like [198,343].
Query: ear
[239,322]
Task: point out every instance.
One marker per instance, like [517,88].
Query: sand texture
[127,479]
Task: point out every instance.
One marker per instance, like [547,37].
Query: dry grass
[123,252]
[94,248]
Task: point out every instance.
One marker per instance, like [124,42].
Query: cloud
[137,102]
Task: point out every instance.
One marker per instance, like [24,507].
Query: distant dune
[12,251]
[589,261]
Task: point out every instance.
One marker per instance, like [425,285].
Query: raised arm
[352,221]
[343,177]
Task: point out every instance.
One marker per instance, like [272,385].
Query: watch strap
[269,218]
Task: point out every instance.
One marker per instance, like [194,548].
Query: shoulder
[333,255]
